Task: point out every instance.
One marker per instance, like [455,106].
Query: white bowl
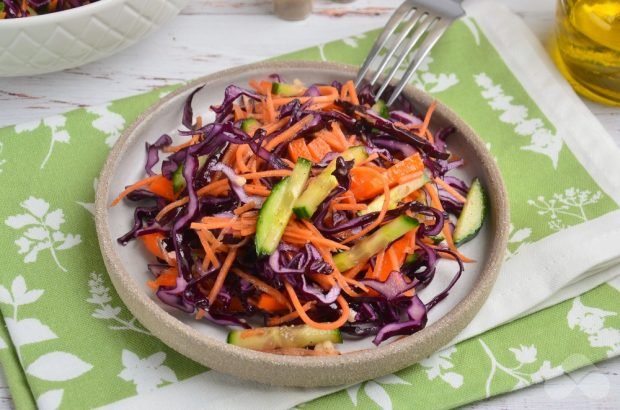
[70,38]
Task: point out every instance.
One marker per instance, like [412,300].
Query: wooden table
[200,41]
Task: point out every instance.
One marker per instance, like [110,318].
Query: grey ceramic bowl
[206,343]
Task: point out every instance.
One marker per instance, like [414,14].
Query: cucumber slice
[277,209]
[396,194]
[265,338]
[178,180]
[412,257]
[471,218]
[312,197]
[373,244]
[320,187]
[381,108]
[286,90]
[250,125]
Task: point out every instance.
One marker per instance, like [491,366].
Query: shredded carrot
[212,223]
[367,181]
[269,108]
[378,265]
[221,276]
[229,156]
[200,313]
[215,242]
[209,253]
[318,148]
[289,133]
[393,258]
[450,190]
[167,278]
[294,232]
[262,286]
[243,208]
[269,304]
[351,91]
[152,242]
[329,95]
[408,178]
[337,130]
[256,190]
[239,113]
[316,241]
[427,118]
[349,207]
[327,257]
[370,158]
[275,126]
[241,156]
[140,184]
[268,174]
[351,273]
[214,188]
[344,91]
[331,139]
[276,321]
[175,148]
[261,87]
[344,307]
[384,209]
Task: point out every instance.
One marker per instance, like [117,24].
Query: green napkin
[69,342]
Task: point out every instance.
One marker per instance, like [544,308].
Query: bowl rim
[59,16]
[291,370]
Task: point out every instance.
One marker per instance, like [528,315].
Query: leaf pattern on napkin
[438,363]
[591,321]
[42,231]
[542,140]
[54,366]
[100,297]
[108,122]
[571,203]
[148,373]
[375,391]
[56,125]
[523,355]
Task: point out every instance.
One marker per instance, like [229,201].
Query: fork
[418,19]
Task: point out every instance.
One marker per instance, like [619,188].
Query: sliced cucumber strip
[266,338]
[376,242]
[286,90]
[473,214]
[278,208]
[320,187]
[396,194]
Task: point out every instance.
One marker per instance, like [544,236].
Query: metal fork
[418,19]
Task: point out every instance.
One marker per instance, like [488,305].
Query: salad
[25,8]
[303,213]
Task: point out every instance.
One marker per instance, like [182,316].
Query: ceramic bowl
[70,38]
[206,343]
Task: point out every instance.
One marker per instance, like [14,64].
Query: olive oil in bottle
[587,47]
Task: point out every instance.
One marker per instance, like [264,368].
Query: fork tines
[418,23]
